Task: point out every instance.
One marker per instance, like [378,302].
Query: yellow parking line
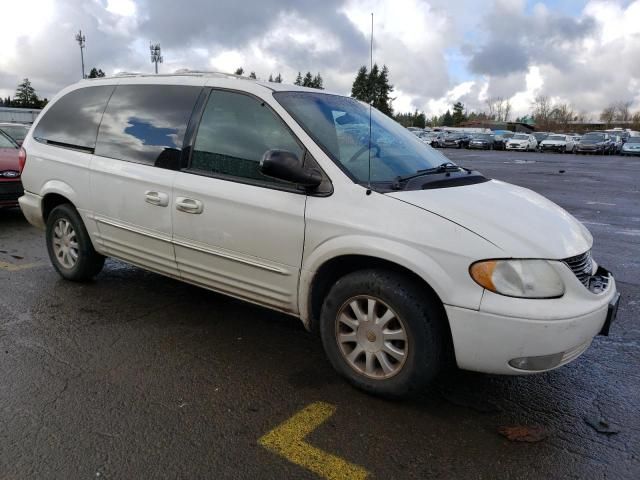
[287,440]
[12,267]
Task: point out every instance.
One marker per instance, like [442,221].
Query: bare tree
[499,109]
[561,116]
[609,114]
[623,111]
[542,111]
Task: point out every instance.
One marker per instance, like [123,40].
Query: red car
[10,184]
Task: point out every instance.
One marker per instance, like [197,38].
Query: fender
[465,293]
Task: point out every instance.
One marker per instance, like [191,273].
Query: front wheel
[69,245]
[384,333]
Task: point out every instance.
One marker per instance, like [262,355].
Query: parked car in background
[437,141]
[540,136]
[557,143]
[276,205]
[500,140]
[482,141]
[17,131]
[616,144]
[10,184]
[576,139]
[456,140]
[595,142]
[428,137]
[522,141]
[631,147]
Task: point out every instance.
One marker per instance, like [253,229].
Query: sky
[582,52]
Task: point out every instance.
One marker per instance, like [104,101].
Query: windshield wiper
[443,167]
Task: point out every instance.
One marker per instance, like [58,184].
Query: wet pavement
[139,376]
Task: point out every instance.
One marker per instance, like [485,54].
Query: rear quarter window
[73,120]
[147,123]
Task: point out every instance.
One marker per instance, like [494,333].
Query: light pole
[156,57]
[81,41]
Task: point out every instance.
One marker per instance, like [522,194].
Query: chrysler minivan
[315,205]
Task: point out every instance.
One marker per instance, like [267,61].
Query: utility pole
[156,56]
[81,41]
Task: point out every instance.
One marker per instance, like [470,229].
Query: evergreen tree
[96,73]
[458,113]
[382,92]
[278,78]
[26,95]
[317,82]
[360,90]
[239,71]
[271,78]
[308,80]
[253,75]
[298,79]
[374,88]
[447,119]
[420,121]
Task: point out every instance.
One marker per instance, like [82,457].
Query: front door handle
[159,199]
[189,205]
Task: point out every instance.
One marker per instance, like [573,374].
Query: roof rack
[182,71]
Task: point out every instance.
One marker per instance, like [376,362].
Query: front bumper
[509,329]
[553,148]
[516,147]
[630,152]
[10,191]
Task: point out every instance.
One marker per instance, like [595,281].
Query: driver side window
[235,132]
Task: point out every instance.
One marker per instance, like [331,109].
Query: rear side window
[146,123]
[73,120]
[235,132]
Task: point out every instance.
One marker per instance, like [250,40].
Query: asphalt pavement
[135,375]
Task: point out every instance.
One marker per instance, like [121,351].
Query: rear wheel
[384,333]
[69,245]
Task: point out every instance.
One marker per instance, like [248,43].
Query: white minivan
[286,197]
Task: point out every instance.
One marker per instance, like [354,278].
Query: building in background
[18,115]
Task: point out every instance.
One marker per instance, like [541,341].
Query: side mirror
[287,166]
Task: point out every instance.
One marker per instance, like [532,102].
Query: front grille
[581,266]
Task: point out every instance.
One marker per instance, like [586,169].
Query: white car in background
[523,142]
[558,143]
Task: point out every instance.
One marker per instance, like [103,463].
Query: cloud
[438,51]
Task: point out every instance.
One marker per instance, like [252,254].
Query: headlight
[518,278]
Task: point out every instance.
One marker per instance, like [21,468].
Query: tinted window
[235,132]
[73,120]
[146,123]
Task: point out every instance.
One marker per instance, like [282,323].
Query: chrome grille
[581,266]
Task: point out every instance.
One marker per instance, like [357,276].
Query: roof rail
[211,73]
[182,71]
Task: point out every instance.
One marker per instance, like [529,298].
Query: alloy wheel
[372,337]
[65,243]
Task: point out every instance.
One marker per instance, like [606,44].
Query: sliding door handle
[159,199]
[189,205]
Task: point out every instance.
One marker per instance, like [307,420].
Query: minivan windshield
[340,126]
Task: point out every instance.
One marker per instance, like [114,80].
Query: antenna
[370,102]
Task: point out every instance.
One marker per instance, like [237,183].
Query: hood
[518,141]
[517,220]
[553,142]
[591,142]
[9,159]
